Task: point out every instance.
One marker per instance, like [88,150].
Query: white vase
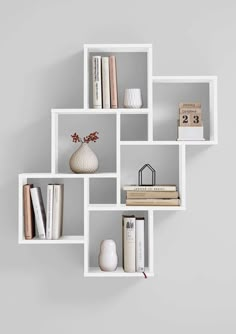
[108,259]
[84,160]
[133,98]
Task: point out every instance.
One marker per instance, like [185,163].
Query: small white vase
[133,98]
[108,259]
[84,160]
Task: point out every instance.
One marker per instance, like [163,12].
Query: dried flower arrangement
[93,136]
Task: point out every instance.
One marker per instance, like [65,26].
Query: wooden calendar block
[190,117]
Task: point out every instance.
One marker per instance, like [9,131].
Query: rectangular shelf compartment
[83,124]
[102,191]
[167,160]
[168,92]
[133,70]
[133,127]
[108,225]
[73,222]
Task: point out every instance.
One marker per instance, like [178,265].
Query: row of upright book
[47,223]
[104,77]
[160,195]
[133,243]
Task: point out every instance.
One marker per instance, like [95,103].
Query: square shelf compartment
[102,191]
[108,225]
[73,222]
[83,124]
[168,92]
[133,70]
[133,127]
[168,162]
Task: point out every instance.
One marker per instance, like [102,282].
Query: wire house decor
[140,175]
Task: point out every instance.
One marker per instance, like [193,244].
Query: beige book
[29,221]
[128,229]
[153,202]
[57,216]
[97,82]
[152,194]
[113,82]
[106,103]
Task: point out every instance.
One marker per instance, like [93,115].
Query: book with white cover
[49,211]
[105,83]
[58,203]
[128,227]
[39,211]
[139,227]
[150,188]
[97,82]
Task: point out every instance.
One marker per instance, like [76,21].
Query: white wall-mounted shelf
[128,139]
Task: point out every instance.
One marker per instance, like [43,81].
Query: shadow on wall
[57,86]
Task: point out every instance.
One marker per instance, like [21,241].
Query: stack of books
[104,76]
[161,195]
[133,243]
[49,224]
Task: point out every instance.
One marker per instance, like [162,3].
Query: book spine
[139,244]
[39,211]
[97,82]
[151,188]
[105,83]
[154,202]
[29,222]
[113,82]
[152,194]
[189,105]
[49,211]
[58,199]
[129,243]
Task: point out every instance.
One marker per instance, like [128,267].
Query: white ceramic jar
[108,259]
[133,98]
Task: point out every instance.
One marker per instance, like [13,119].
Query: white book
[49,211]
[58,203]
[105,83]
[128,226]
[39,211]
[97,82]
[150,188]
[139,227]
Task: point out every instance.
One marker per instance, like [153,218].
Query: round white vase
[84,160]
[133,98]
[108,258]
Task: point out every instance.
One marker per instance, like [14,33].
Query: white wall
[42,289]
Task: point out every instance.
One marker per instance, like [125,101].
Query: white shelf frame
[55,113]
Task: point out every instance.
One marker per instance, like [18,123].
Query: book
[160,187]
[97,82]
[58,203]
[154,202]
[39,211]
[139,244]
[152,194]
[49,219]
[113,82]
[105,83]
[29,221]
[128,229]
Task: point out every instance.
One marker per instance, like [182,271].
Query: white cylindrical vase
[133,98]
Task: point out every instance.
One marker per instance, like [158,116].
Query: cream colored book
[49,220]
[154,202]
[152,194]
[105,83]
[169,187]
[139,244]
[128,227]
[97,82]
[58,203]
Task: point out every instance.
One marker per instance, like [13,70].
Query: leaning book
[39,211]
[58,203]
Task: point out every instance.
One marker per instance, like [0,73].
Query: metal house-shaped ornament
[140,175]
